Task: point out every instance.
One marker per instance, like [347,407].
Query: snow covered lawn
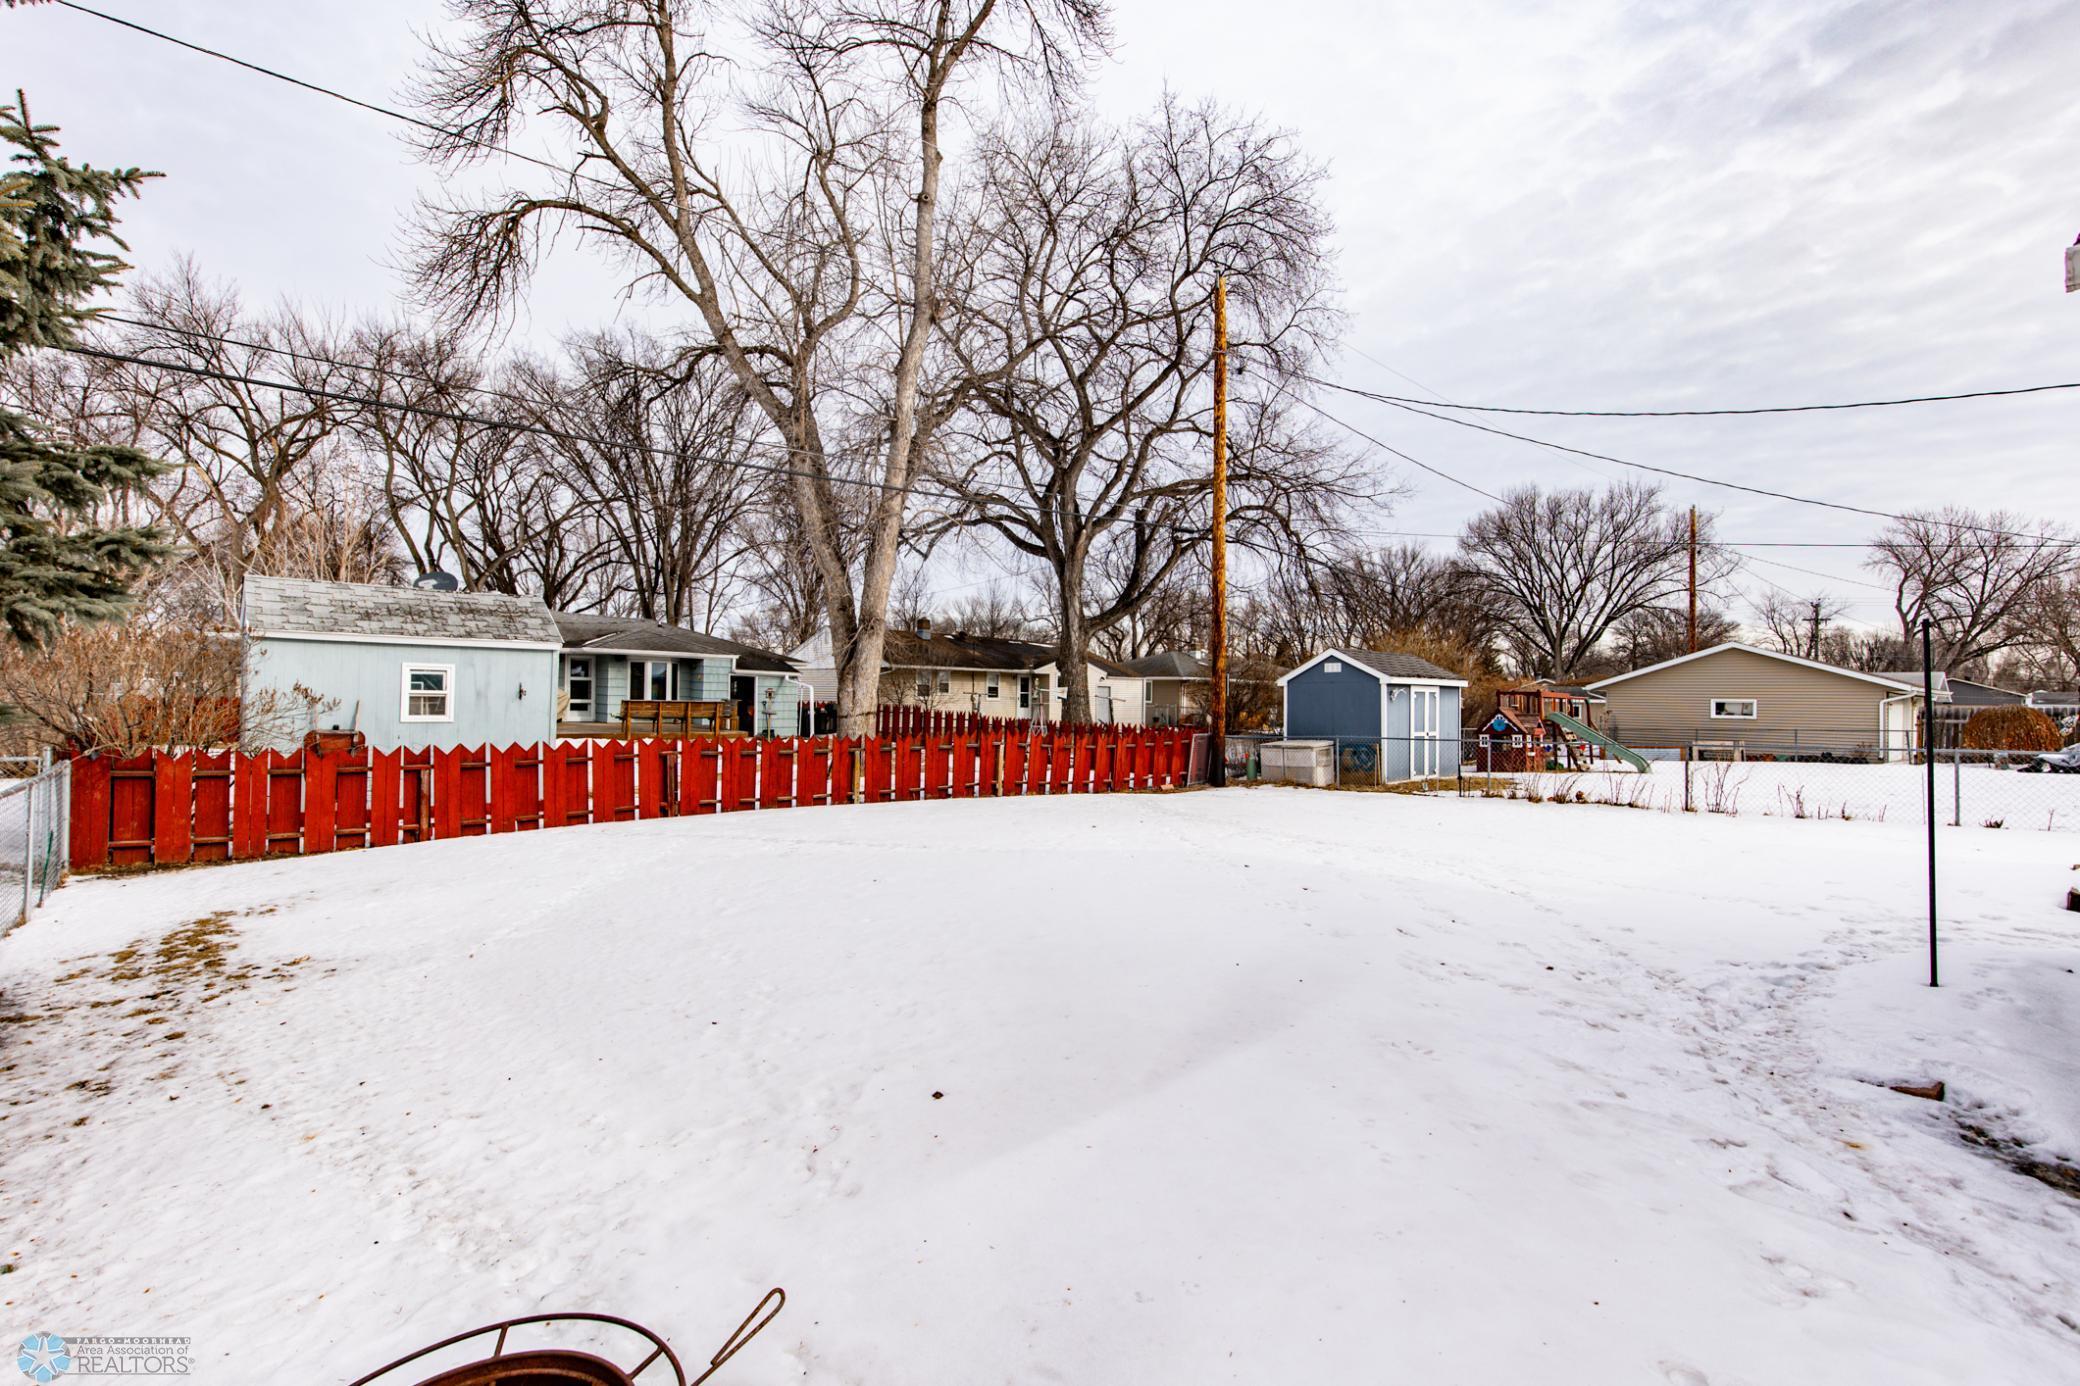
[1972,796]
[1270,1086]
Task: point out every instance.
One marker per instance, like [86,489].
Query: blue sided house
[418,667]
[1406,706]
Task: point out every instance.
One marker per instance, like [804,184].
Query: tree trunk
[1072,659]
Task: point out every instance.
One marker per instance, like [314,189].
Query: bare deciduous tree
[466,482]
[248,458]
[1797,625]
[794,249]
[655,452]
[1973,577]
[1088,328]
[1562,568]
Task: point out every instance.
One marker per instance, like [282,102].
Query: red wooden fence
[161,809]
[895,720]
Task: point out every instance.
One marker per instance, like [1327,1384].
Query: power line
[1385,447]
[370,106]
[1702,413]
[1674,472]
[1814,572]
[482,421]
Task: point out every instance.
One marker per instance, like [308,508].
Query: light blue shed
[1406,708]
[404,666]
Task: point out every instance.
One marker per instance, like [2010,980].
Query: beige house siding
[1795,705]
[963,690]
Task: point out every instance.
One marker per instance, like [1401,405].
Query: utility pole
[1692,630]
[1813,639]
[1217,760]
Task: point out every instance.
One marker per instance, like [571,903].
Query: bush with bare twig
[138,686]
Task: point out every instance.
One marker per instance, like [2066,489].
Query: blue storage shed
[1407,707]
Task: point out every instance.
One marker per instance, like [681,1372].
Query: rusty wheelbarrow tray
[538,1366]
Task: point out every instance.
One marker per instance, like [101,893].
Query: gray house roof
[298,608]
[633,635]
[1967,693]
[1170,664]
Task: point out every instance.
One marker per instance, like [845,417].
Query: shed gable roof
[298,607]
[1387,665]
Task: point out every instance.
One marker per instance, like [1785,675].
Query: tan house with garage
[1755,702]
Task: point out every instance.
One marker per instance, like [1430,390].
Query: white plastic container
[1299,762]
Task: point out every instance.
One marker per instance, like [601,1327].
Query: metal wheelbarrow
[570,1366]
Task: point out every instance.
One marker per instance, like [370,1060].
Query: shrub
[2013,728]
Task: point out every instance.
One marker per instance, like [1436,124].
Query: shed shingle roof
[296,606]
[1401,666]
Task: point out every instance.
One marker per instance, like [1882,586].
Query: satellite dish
[438,581]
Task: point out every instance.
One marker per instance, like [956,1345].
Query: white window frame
[945,681]
[1025,692]
[1754,710]
[924,683]
[646,665]
[992,685]
[571,665]
[404,699]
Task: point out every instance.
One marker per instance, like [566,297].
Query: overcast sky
[1597,205]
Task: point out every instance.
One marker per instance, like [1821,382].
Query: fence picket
[173,808]
[385,779]
[209,838]
[319,800]
[350,800]
[282,781]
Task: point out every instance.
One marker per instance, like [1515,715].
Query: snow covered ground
[1267,1085]
[1972,796]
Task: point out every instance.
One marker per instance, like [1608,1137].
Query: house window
[577,683]
[1743,708]
[945,681]
[653,680]
[993,686]
[429,693]
[1025,692]
[924,683]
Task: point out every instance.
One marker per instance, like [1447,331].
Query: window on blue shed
[429,693]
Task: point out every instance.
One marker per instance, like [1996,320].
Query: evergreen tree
[58,565]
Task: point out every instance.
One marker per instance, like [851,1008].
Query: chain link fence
[1848,782]
[35,799]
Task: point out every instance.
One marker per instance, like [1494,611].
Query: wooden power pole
[1691,645]
[1217,640]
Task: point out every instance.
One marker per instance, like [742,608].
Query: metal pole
[1928,703]
[29,793]
[1217,767]
[1957,786]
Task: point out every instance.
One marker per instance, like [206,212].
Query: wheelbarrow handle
[753,1322]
